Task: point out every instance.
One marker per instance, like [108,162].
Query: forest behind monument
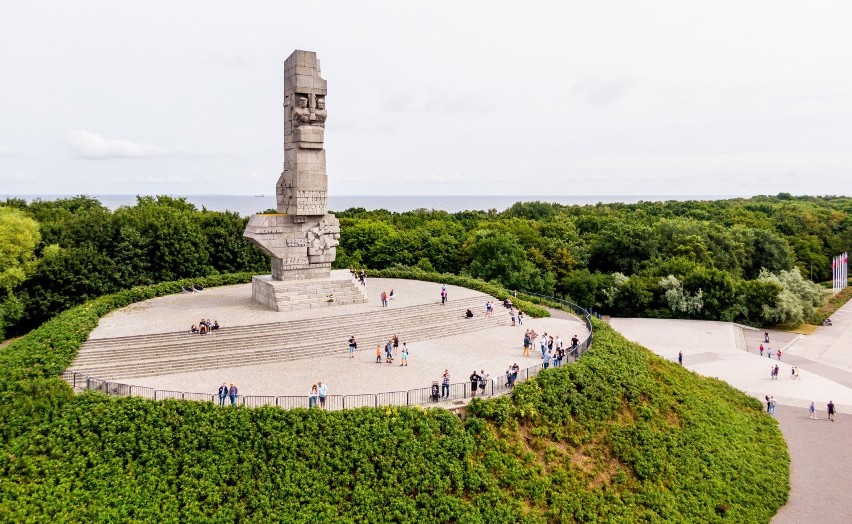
[746,260]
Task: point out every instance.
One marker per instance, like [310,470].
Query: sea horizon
[247,205]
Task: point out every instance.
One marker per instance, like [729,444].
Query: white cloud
[6,152]
[93,146]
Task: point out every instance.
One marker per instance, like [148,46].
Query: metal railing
[411,397]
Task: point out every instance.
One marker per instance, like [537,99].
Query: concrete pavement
[821,462]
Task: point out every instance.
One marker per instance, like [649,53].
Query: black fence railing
[412,397]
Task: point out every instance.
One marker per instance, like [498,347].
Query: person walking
[680,357]
[778,354]
[223,392]
[527,343]
[378,353]
[445,384]
[313,396]
[232,394]
[771,405]
[761,350]
[547,357]
[812,411]
[543,344]
[352,346]
[512,314]
[322,392]
[776,371]
[404,355]
[384,299]
[769,352]
[830,410]
[520,317]
[443,295]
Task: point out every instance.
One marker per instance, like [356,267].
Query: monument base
[292,295]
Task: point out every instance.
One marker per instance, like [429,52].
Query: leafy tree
[797,299]
[68,278]
[170,235]
[19,236]
[496,255]
[678,299]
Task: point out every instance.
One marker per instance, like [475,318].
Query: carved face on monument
[301,113]
[320,103]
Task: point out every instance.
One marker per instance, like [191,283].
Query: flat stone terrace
[282,353]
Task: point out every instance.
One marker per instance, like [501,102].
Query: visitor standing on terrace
[323,392]
[232,394]
[474,383]
[223,392]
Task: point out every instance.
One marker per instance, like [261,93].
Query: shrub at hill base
[620,436]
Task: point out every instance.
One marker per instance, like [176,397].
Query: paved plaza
[493,349]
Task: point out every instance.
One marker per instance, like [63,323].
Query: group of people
[387,297]
[392,349]
[317,395]
[478,381]
[553,350]
[769,352]
[205,326]
[360,276]
[228,392]
[512,374]
[829,408]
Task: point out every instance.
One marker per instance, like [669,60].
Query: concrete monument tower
[301,237]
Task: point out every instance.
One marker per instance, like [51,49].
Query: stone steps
[389,315]
[169,353]
[330,338]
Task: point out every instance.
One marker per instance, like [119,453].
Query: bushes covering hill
[621,436]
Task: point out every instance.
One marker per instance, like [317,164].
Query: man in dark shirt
[474,383]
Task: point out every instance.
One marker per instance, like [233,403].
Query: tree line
[748,260]
[60,253]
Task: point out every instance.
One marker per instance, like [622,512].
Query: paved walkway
[492,350]
[821,467]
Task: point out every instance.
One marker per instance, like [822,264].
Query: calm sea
[247,205]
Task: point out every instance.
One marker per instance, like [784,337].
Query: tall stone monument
[301,237]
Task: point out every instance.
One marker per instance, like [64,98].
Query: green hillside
[621,436]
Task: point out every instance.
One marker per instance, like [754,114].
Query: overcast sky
[434,98]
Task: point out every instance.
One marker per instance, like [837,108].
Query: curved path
[821,463]
[466,347]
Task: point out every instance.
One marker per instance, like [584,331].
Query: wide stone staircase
[180,352]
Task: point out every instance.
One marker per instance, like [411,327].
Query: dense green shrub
[620,436]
